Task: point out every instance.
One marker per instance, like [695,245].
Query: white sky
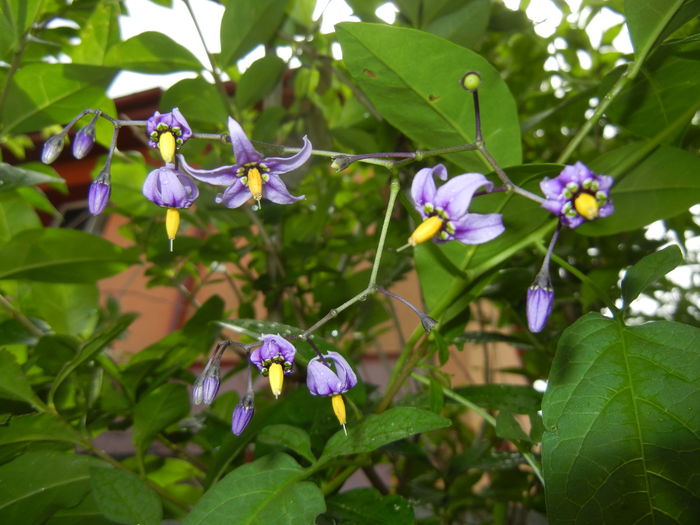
[176,23]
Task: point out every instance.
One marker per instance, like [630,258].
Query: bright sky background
[176,23]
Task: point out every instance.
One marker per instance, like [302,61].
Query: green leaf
[36,484]
[157,410]
[14,384]
[508,428]
[197,99]
[98,34]
[61,255]
[16,215]
[293,438]
[377,430]
[68,308]
[648,270]
[258,80]
[12,177]
[421,96]
[465,25]
[369,507]
[17,17]
[515,399]
[268,490]
[661,186]
[152,52]
[124,498]
[622,440]
[91,348]
[247,24]
[38,427]
[47,94]
[646,20]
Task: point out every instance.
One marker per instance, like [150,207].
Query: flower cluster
[327,375]
[576,195]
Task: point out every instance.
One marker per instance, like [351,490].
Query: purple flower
[169,187]
[577,194]
[242,414]
[323,381]
[168,132]
[540,298]
[98,195]
[274,358]
[252,175]
[83,141]
[444,210]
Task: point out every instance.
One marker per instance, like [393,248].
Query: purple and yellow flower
[242,414]
[578,195]
[252,175]
[171,188]
[445,209]
[323,380]
[167,132]
[274,358]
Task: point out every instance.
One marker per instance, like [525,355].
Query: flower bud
[83,141]
[98,196]
[52,148]
[540,298]
[242,414]
[340,162]
[210,387]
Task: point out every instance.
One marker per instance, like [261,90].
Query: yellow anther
[276,377]
[426,230]
[167,145]
[172,224]
[255,183]
[339,408]
[587,205]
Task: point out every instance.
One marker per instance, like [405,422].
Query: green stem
[459,399]
[31,327]
[394,190]
[628,76]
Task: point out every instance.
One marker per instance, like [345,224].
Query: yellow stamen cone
[587,205]
[166,145]
[172,224]
[276,377]
[255,183]
[426,230]
[339,409]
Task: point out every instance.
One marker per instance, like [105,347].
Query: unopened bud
[540,299]
[98,196]
[52,148]
[242,414]
[340,162]
[83,141]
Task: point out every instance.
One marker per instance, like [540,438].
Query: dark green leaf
[466,25]
[515,399]
[12,177]
[648,270]
[377,430]
[269,490]
[661,186]
[197,99]
[13,383]
[60,255]
[293,438]
[152,52]
[369,507]
[421,96]
[247,24]
[38,427]
[258,80]
[36,484]
[508,427]
[157,410]
[646,20]
[47,94]
[124,498]
[622,440]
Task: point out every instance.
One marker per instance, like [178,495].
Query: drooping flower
[242,414]
[98,193]
[167,132]
[169,187]
[252,175]
[445,209]
[539,302]
[274,358]
[578,195]
[322,380]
